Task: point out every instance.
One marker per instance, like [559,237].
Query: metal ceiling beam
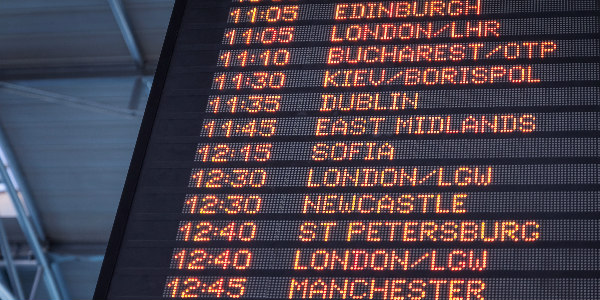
[61,284]
[76,71]
[116,6]
[148,82]
[136,93]
[17,175]
[30,234]
[11,269]
[68,100]
[5,293]
[36,283]
[62,258]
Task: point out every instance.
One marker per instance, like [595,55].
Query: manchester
[386,289]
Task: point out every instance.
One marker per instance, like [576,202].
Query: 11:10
[280,57]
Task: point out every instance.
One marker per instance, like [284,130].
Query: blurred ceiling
[74,78]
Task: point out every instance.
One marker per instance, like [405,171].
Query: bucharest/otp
[386,289]
[438,52]
[392,177]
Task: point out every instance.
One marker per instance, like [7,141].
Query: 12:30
[230,204]
[222,178]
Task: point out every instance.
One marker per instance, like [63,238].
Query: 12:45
[195,287]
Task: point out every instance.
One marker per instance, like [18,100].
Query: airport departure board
[396,150]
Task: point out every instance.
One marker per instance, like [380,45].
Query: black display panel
[405,150]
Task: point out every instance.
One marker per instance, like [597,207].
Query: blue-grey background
[74,79]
